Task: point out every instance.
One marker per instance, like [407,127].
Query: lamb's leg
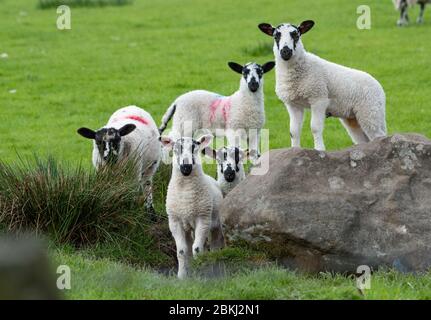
[253,138]
[318,116]
[217,240]
[201,235]
[372,122]
[421,14]
[354,130]
[296,115]
[403,20]
[183,251]
[147,187]
[149,198]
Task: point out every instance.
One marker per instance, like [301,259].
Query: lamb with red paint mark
[241,111]
[130,131]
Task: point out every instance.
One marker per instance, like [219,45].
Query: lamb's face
[107,141]
[287,38]
[185,154]
[252,73]
[186,151]
[229,162]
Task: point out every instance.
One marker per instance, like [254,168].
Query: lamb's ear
[87,133]
[266,28]
[251,153]
[305,26]
[235,67]
[167,142]
[209,152]
[205,140]
[126,129]
[268,66]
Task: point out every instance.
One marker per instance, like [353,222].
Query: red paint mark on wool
[225,108]
[136,118]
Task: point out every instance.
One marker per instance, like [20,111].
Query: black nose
[253,85]
[286,53]
[229,174]
[186,169]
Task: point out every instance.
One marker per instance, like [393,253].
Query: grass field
[147,53]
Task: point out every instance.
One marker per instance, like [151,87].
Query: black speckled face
[108,143]
[186,151]
[286,39]
[253,74]
[228,161]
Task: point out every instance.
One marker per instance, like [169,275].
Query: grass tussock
[83,208]
[44,4]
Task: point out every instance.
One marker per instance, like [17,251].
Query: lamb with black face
[287,37]
[108,141]
[252,73]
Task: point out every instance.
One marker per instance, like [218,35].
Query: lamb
[130,131]
[193,201]
[304,80]
[237,114]
[230,166]
[403,5]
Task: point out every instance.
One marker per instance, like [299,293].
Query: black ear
[268,66]
[235,67]
[266,28]
[125,130]
[209,152]
[87,133]
[305,26]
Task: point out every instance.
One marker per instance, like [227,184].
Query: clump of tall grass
[81,207]
[44,4]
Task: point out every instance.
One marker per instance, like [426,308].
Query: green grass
[104,279]
[148,53]
[102,212]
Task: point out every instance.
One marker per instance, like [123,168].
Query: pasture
[147,53]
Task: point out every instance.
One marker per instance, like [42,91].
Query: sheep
[237,114]
[304,80]
[193,201]
[230,166]
[403,5]
[130,132]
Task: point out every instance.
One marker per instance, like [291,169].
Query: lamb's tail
[167,117]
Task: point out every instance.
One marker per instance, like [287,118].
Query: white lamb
[193,201]
[304,80]
[129,131]
[230,166]
[238,115]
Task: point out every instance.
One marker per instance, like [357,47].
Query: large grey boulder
[333,211]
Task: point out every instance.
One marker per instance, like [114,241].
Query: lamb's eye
[277,36]
[294,35]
